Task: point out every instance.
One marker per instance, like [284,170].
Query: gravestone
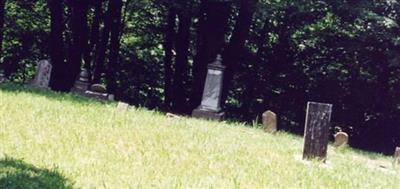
[43,74]
[210,107]
[96,95]
[122,107]
[111,97]
[316,134]
[82,83]
[397,156]
[99,88]
[341,138]
[2,76]
[269,122]
[99,92]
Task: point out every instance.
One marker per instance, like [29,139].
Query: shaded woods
[279,55]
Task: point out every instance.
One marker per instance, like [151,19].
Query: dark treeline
[278,54]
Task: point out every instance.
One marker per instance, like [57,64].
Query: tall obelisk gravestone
[316,134]
[210,107]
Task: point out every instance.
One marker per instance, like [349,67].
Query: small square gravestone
[43,74]
[269,122]
[341,138]
[210,107]
[122,107]
[316,134]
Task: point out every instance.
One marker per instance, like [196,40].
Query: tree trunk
[102,48]
[116,24]
[235,48]
[94,37]
[59,72]
[2,13]
[170,34]
[251,84]
[181,66]
[213,26]
[79,29]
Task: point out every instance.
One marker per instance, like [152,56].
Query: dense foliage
[279,55]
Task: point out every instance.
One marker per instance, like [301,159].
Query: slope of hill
[63,141]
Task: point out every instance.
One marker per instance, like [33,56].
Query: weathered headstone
[42,76]
[82,83]
[269,122]
[99,91]
[316,134]
[210,107]
[99,96]
[397,156]
[341,138]
[122,107]
[99,88]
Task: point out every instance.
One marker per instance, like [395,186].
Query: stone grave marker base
[206,114]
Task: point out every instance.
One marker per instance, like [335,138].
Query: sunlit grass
[94,146]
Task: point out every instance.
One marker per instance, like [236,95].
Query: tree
[89,54]
[59,72]
[101,49]
[179,99]
[170,35]
[2,10]
[79,30]
[115,7]
[236,45]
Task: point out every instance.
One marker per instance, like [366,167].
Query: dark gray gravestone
[316,134]
[82,83]
[210,107]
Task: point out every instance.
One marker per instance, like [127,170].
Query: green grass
[50,140]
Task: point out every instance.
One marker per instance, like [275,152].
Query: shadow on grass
[19,88]
[18,174]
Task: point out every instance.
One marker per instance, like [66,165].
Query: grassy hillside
[63,141]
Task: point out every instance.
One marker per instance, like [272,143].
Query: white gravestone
[43,73]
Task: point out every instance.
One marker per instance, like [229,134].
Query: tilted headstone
[210,107]
[316,134]
[82,83]
[99,88]
[341,138]
[269,122]
[122,107]
[43,74]
[397,156]
[99,91]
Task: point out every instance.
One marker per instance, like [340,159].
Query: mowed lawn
[50,140]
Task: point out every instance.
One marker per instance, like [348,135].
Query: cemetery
[199,94]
